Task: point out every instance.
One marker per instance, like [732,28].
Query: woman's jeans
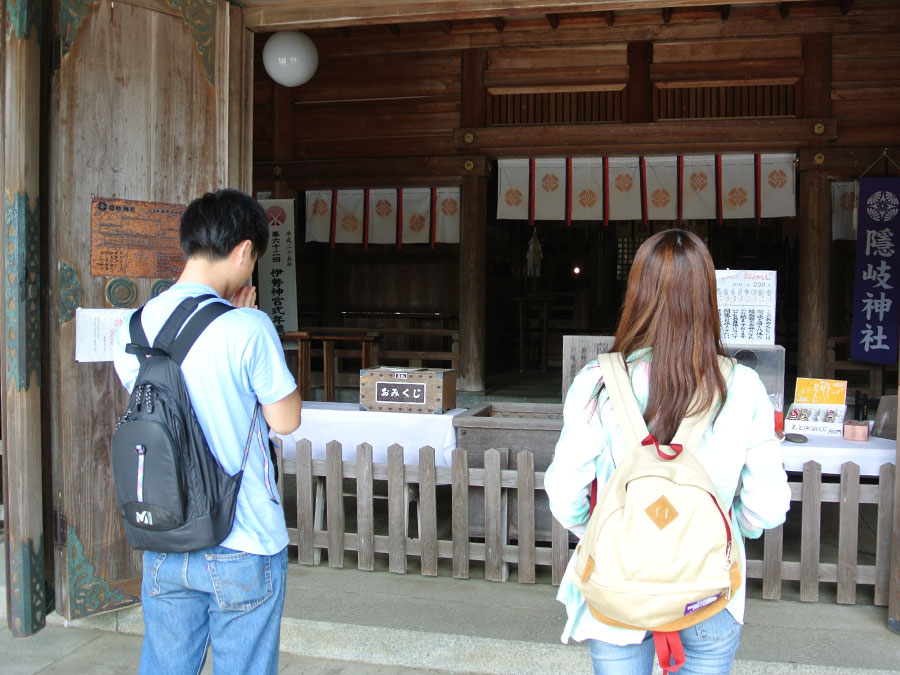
[709,649]
[230,598]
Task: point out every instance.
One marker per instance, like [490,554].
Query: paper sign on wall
[746,300]
[95,332]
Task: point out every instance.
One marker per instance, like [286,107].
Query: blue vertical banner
[876,314]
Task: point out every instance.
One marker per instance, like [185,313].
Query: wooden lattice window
[559,107]
[753,100]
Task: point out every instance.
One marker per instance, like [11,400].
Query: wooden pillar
[894,588]
[639,92]
[473,235]
[25,573]
[472,281]
[815,241]
[814,217]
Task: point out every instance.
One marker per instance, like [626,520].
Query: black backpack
[173,494]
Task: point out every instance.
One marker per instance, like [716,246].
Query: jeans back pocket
[241,580]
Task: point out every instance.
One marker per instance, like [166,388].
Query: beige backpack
[659,552]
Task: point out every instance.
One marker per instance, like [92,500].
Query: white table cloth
[348,425]
[832,451]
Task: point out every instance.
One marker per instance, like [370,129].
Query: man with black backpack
[229,593]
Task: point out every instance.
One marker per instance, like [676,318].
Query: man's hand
[245,297]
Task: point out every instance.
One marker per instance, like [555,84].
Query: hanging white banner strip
[777,180]
[549,189]
[349,225]
[662,188]
[699,187]
[587,188]
[318,215]
[416,215]
[512,191]
[382,216]
[447,230]
[844,200]
[738,186]
[624,188]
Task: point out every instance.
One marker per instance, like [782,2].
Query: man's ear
[244,250]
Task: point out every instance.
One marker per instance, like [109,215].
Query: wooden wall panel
[135,117]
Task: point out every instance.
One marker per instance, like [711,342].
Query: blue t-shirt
[236,361]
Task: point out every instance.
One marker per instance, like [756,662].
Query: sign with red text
[746,301]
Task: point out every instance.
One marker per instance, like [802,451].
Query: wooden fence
[323,483]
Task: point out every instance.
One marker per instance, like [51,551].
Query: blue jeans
[230,598]
[709,649]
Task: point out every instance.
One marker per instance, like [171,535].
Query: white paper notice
[746,301]
[95,330]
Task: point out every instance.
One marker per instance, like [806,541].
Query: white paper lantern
[290,58]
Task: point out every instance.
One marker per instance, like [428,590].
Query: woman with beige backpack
[668,457]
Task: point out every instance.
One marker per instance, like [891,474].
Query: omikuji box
[416,390]
[818,409]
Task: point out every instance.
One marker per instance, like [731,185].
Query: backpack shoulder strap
[618,384]
[176,320]
[198,323]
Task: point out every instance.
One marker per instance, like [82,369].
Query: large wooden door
[149,103]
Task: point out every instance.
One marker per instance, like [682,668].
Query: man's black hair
[212,225]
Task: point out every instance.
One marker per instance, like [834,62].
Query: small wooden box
[416,390]
[856,430]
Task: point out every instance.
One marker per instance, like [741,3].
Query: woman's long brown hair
[670,307]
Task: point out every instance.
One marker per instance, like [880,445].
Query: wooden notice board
[135,239]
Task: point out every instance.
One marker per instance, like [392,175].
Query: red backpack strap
[668,648]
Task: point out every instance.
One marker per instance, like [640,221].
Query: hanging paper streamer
[777,185]
[624,189]
[349,222]
[844,199]
[512,191]
[876,314]
[533,256]
[448,208]
[318,215]
[587,188]
[416,215]
[549,189]
[661,188]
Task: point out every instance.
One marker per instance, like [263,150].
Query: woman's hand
[245,297]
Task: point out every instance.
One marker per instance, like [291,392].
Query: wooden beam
[610,18]
[374,172]
[679,133]
[817,57]
[270,14]
[741,72]
[552,20]
[843,163]
[666,14]
[393,29]
[725,11]
[783,9]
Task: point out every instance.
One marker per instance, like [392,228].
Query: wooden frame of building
[161,100]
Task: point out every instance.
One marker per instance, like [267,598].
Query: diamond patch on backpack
[661,512]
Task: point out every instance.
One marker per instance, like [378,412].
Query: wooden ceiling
[468,16]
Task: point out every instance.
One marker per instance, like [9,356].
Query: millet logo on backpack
[144,517]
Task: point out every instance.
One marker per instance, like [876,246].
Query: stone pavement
[346,621]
